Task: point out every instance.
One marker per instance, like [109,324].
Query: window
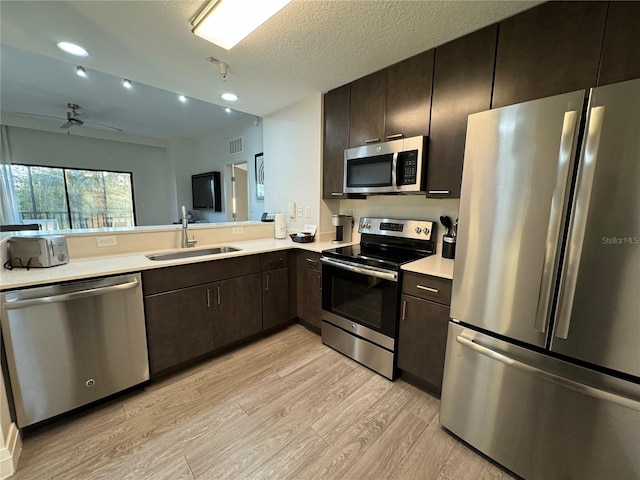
[74,198]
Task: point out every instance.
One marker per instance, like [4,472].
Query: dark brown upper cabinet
[368,106]
[551,49]
[337,105]
[621,47]
[462,79]
[409,97]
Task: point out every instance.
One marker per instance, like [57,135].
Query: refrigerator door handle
[558,202]
[468,339]
[578,225]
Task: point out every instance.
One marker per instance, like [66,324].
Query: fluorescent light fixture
[182,98]
[226,22]
[126,83]
[81,71]
[72,49]
[229,97]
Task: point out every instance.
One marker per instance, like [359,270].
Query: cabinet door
[179,326]
[621,47]
[368,105]
[337,105]
[312,297]
[423,338]
[409,97]
[275,297]
[462,79]
[552,49]
[237,309]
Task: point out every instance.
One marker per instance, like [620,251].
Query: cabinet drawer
[311,260]
[425,286]
[273,260]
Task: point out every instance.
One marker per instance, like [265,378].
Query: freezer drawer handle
[428,289]
[89,292]
[586,173]
[467,339]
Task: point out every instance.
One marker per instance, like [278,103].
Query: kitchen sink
[188,253]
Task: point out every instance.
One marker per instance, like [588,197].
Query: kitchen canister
[280,226]
[448,246]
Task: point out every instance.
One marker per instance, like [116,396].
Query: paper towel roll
[281,226]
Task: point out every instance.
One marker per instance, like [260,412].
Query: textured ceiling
[310,46]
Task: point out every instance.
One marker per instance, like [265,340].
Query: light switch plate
[307,212]
[299,212]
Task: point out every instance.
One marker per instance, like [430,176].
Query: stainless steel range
[361,289]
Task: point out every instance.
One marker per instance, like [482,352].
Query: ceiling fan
[73,120]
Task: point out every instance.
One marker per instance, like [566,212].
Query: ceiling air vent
[235,146]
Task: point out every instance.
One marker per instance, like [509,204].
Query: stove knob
[426,230]
[418,230]
[368,225]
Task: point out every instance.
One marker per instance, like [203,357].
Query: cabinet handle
[337,194]
[439,192]
[313,262]
[394,136]
[372,140]
[208,298]
[267,286]
[320,282]
[218,290]
[428,289]
[404,310]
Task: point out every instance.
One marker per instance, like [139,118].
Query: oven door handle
[364,270]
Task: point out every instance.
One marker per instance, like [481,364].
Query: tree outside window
[75,198]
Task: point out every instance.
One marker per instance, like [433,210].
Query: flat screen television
[206,191]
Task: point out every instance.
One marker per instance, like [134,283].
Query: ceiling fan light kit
[227,22]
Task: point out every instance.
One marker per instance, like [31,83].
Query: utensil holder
[448,247]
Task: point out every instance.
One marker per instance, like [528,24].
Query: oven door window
[367,300]
[370,171]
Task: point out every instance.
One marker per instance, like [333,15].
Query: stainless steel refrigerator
[542,369]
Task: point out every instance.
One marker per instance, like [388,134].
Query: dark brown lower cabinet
[275,297]
[310,278]
[422,340]
[237,309]
[179,327]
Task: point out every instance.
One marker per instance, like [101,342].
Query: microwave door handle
[394,170]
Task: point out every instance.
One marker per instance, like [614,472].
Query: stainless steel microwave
[397,166]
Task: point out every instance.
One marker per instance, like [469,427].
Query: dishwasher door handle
[65,297]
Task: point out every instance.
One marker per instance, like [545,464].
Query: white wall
[211,153]
[293,159]
[148,164]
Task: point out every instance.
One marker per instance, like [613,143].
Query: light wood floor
[285,407]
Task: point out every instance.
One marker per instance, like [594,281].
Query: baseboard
[9,455]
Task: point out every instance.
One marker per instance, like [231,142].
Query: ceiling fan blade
[108,127]
[26,114]
[67,125]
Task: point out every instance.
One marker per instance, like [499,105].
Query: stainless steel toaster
[38,251]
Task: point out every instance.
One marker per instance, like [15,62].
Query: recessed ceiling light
[228,110]
[226,22]
[126,83]
[81,71]
[229,97]
[72,49]
[182,98]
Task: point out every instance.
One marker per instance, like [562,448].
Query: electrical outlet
[107,241]
[299,212]
[307,212]
[237,230]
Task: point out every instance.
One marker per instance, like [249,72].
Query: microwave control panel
[408,162]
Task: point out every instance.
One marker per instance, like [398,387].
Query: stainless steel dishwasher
[71,344]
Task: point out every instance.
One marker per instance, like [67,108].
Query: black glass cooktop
[389,257]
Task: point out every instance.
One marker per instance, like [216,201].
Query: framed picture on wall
[260,176]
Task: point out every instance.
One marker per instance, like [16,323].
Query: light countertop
[434,265]
[89,267]
[134,262]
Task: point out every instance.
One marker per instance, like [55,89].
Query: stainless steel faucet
[186,243]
